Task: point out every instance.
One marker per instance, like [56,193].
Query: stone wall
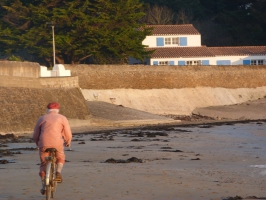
[170,77]
[24,96]
[21,107]
[20,69]
[51,82]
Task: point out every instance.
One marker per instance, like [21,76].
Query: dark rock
[172,150]
[8,136]
[4,161]
[135,140]
[166,147]
[133,159]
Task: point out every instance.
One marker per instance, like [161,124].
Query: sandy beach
[203,159]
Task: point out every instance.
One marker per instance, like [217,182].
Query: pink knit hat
[53,105]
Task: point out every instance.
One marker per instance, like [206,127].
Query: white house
[181,45]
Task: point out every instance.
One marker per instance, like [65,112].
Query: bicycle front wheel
[54,183]
[48,180]
[48,192]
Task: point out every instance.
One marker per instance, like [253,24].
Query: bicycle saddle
[50,150]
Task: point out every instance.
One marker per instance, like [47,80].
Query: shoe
[42,174]
[58,177]
[43,191]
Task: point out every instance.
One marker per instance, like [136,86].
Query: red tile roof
[184,29]
[177,52]
[239,50]
[203,51]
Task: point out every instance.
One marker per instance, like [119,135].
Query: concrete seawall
[24,96]
[170,89]
[51,82]
[155,89]
[19,69]
[21,107]
[167,77]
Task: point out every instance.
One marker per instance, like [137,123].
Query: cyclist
[52,130]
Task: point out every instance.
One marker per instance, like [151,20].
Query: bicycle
[50,175]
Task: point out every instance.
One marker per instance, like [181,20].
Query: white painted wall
[58,70]
[44,72]
[235,60]
[192,40]
[179,59]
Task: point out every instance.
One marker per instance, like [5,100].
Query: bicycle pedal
[58,180]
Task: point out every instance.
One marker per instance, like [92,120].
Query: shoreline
[185,124]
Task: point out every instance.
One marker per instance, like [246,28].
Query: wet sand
[199,158]
[191,162]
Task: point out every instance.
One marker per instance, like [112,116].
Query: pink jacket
[51,130]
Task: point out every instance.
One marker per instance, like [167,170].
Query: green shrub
[14,58]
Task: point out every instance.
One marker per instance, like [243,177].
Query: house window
[175,40]
[163,63]
[256,62]
[260,62]
[189,62]
[193,62]
[253,62]
[167,41]
[197,62]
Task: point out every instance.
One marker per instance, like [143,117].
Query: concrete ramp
[174,101]
[108,114]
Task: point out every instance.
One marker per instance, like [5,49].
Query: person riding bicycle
[52,130]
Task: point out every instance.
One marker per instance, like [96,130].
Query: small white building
[58,70]
[181,45]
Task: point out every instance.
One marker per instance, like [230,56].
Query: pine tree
[108,31]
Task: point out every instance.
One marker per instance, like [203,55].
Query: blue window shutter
[160,42]
[183,41]
[155,62]
[223,62]
[205,62]
[246,62]
[172,63]
[227,62]
[181,62]
[219,62]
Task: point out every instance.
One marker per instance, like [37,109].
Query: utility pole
[52,25]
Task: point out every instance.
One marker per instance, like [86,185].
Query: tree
[105,30]
[159,15]
[240,17]
[188,6]
[184,17]
[7,41]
